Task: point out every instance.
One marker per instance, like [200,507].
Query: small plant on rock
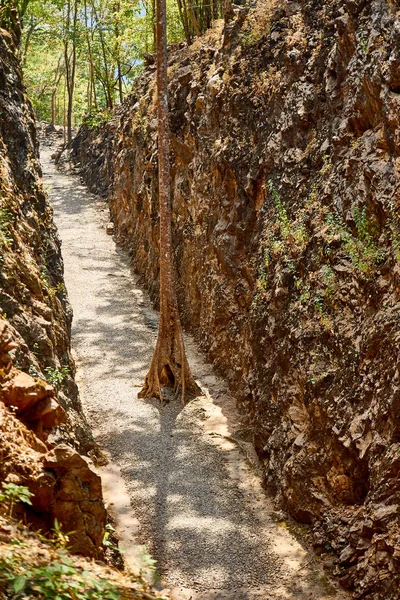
[5,221]
[56,377]
[12,493]
[362,249]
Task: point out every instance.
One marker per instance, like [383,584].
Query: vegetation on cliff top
[83,56]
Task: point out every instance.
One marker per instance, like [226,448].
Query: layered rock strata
[285,181]
[32,292]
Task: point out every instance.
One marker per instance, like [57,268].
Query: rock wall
[41,420]
[33,298]
[286,197]
[63,484]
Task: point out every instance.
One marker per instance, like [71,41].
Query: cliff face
[32,293]
[38,395]
[286,179]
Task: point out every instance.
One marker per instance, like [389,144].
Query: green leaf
[19,583]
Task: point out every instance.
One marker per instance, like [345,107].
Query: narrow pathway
[196,503]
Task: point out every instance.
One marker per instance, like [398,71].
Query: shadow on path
[198,514]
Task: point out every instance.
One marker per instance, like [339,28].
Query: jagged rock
[32,400]
[35,326]
[33,299]
[110,228]
[77,501]
[63,484]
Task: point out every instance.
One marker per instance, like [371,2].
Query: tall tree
[169,366]
[70,43]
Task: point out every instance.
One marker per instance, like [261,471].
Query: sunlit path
[200,508]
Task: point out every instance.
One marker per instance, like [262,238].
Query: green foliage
[148,567]
[12,13]
[59,538]
[249,38]
[33,372]
[61,579]
[6,218]
[319,304]
[286,240]
[329,280]
[363,249]
[282,214]
[12,493]
[107,542]
[364,44]
[294,232]
[110,39]
[327,166]
[56,377]
[61,289]
[96,117]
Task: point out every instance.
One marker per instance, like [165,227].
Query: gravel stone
[190,487]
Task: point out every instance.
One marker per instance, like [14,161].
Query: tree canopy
[82,56]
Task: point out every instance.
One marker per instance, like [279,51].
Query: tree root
[169,369]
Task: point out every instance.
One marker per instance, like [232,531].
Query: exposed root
[169,369]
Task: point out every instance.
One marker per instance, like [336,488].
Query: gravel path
[196,502]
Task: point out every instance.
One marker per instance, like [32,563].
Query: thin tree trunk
[184,19]
[117,50]
[109,96]
[169,366]
[120,88]
[70,63]
[56,83]
[91,83]
[227,10]
[24,51]
[194,20]
[107,83]
[65,111]
[154,25]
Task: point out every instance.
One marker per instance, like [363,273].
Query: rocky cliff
[33,298]
[285,180]
[41,422]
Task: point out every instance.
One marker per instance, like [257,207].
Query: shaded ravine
[199,506]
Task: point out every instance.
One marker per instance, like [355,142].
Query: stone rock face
[32,293]
[30,399]
[63,484]
[285,181]
[76,499]
[35,320]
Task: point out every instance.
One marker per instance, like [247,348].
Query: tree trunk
[24,52]
[91,82]
[153,23]
[108,88]
[169,366]
[65,111]
[184,19]
[70,62]
[57,78]
[120,88]
[193,20]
